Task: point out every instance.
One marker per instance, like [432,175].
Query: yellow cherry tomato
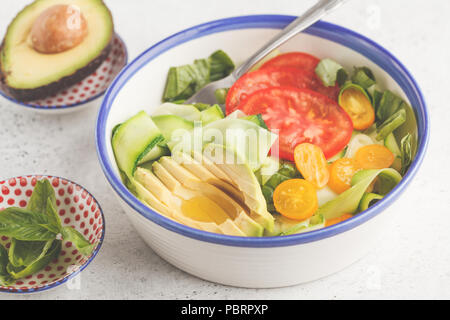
[374,157]
[358,107]
[312,164]
[296,199]
[341,174]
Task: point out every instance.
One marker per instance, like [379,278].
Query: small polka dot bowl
[76,208]
[85,93]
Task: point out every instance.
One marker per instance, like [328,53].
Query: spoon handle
[311,16]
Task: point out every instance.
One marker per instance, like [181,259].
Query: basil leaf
[25,253]
[5,279]
[184,81]
[376,99]
[276,180]
[201,74]
[54,222]
[391,124]
[43,192]
[180,83]
[83,245]
[407,156]
[288,169]
[267,193]
[43,204]
[221,65]
[39,264]
[363,77]
[23,225]
[341,77]
[330,72]
[389,104]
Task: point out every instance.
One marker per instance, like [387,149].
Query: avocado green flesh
[24,68]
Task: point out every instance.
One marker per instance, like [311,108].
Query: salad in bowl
[295,145]
[237,193]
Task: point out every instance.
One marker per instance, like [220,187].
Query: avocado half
[27,74]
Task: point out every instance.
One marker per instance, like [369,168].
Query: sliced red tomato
[298,60]
[301,116]
[276,77]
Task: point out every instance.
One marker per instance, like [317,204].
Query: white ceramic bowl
[253,262]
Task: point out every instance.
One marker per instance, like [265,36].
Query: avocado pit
[58,29]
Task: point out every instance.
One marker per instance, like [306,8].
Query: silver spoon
[315,13]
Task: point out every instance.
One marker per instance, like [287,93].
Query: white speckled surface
[412,260]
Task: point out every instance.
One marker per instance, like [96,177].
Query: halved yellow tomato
[312,164]
[296,199]
[374,157]
[358,106]
[341,174]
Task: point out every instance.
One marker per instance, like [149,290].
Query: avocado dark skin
[25,95]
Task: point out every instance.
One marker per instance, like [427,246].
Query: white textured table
[412,260]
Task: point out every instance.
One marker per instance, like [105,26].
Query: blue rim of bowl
[83,266]
[66,107]
[322,29]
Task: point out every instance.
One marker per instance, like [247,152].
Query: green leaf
[376,99]
[330,72]
[54,222]
[288,169]
[184,81]
[5,278]
[43,192]
[83,245]
[363,77]
[25,253]
[221,65]
[201,74]
[43,204]
[407,156]
[348,202]
[24,225]
[39,264]
[276,180]
[389,104]
[180,83]
[391,124]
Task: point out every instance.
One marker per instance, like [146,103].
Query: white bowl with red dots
[86,92]
[77,208]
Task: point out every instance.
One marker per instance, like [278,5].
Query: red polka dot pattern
[92,86]
[87,222]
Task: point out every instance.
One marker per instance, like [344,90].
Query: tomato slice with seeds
[276,77]
[298,60]
[301,116]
